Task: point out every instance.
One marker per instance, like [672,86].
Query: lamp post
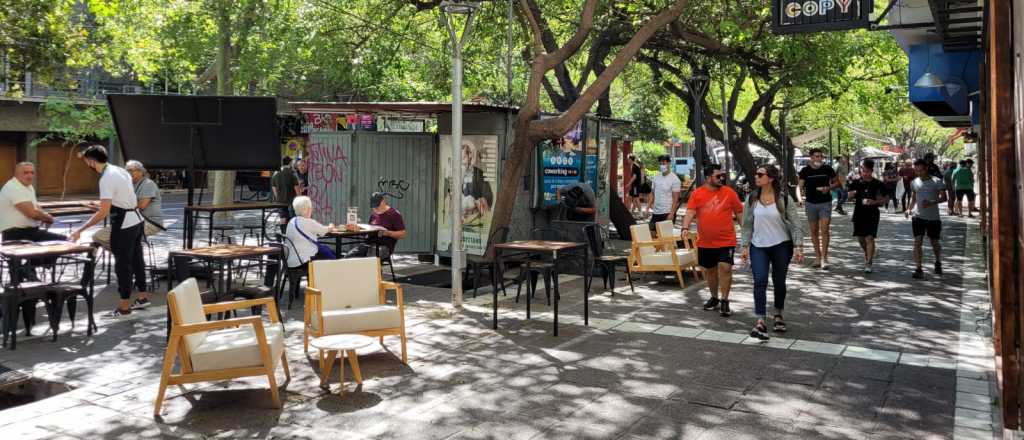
[457,7]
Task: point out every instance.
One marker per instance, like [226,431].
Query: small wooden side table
[329,346]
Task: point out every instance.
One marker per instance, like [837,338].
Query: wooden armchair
[217,350]
[655,255]
[349,296]
[688,254]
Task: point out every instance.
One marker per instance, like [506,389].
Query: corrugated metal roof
[398,108]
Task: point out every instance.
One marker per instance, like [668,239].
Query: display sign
[798,16]
[320,122]
[561,163]
[478,189]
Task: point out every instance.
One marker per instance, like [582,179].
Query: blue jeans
[775,258]
[843,196]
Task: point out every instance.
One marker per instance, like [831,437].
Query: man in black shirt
[816,181]
[868,194]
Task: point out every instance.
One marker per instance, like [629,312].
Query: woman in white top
[302,233]
[770,233]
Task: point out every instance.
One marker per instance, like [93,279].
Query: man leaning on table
[390,219]
[148,194]
[20,214]
[117,200]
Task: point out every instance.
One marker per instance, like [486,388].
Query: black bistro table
[194,211]
[222,256]
[17,290]
[342,236]
[560,252]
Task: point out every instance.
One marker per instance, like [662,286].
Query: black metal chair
[292,275]
[538,266]
[475,265]
[269,287]
[607,263]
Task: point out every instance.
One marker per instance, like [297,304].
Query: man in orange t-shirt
[716,207]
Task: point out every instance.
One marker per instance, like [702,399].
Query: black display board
[798,16]
[227,132]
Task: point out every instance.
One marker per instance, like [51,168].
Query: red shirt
[908,174]
[715,216]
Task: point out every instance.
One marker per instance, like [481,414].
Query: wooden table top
[364,229]
[539,245]
[64,203]
[65,211]
[238,206]
[44,249]
[225,252]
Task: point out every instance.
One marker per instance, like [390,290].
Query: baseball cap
[375,199]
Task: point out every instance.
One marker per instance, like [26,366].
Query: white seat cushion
[190,310]
[236,348]
[359,319]
[684,256]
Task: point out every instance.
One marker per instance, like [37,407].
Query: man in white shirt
[20,214]
[117,199]
[148,194]
[665,190]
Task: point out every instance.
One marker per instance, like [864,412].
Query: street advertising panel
[476,198]
[560,162]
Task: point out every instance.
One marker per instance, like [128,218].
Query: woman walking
[770,237]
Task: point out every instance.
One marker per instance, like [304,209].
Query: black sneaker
[725,312]
[117,313]
[938,268]
[712,304]
[918,274]
[760,332]
[141,303]
[840,210]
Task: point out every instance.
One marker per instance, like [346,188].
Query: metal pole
[458,252]
[508,56]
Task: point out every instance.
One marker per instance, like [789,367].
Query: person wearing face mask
[665,190]
[817,181]
[716,208]
[118,200]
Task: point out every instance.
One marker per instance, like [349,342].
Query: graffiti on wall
[327,162]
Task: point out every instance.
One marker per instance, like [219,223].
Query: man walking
[666,189]
[868,194]
[118,200]
[817,180]
[907,173]
[716,207]
[963,186]
[842,170]
[928,192]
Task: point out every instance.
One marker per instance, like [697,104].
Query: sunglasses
[760,174]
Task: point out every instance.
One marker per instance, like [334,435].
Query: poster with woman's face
[473,198]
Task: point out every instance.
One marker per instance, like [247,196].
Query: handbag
[321,249]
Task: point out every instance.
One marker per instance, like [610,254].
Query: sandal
[760,331]
[780,325]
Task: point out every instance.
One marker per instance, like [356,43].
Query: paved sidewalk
[866,356]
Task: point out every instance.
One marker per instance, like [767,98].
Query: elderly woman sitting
[302,233]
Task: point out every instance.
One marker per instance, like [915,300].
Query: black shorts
[634,190]
[960,193]
[866,224]
[931,227]
[645,188]
[709,258]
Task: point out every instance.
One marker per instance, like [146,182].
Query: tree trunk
[224,181]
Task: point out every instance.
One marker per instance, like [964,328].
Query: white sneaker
[824,265]
[867,267]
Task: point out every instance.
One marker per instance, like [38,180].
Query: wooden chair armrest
[314,291]
[235,305]
[655,242]
[397,288]
[185,329]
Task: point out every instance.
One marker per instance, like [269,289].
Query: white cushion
[359,319]
[664,229]
[237,348]
[642,232]
[684,257]
[348,283]
[190,310]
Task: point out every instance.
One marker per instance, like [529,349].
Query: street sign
[801,16]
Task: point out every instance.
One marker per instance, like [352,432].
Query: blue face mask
[663,168]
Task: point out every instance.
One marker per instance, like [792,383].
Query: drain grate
[17,388]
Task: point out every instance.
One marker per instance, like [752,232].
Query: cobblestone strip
[977,416]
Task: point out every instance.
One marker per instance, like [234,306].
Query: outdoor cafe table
[192,212]
[18,254]
[223,256]
[361,235]
[560,251]
[66,208]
